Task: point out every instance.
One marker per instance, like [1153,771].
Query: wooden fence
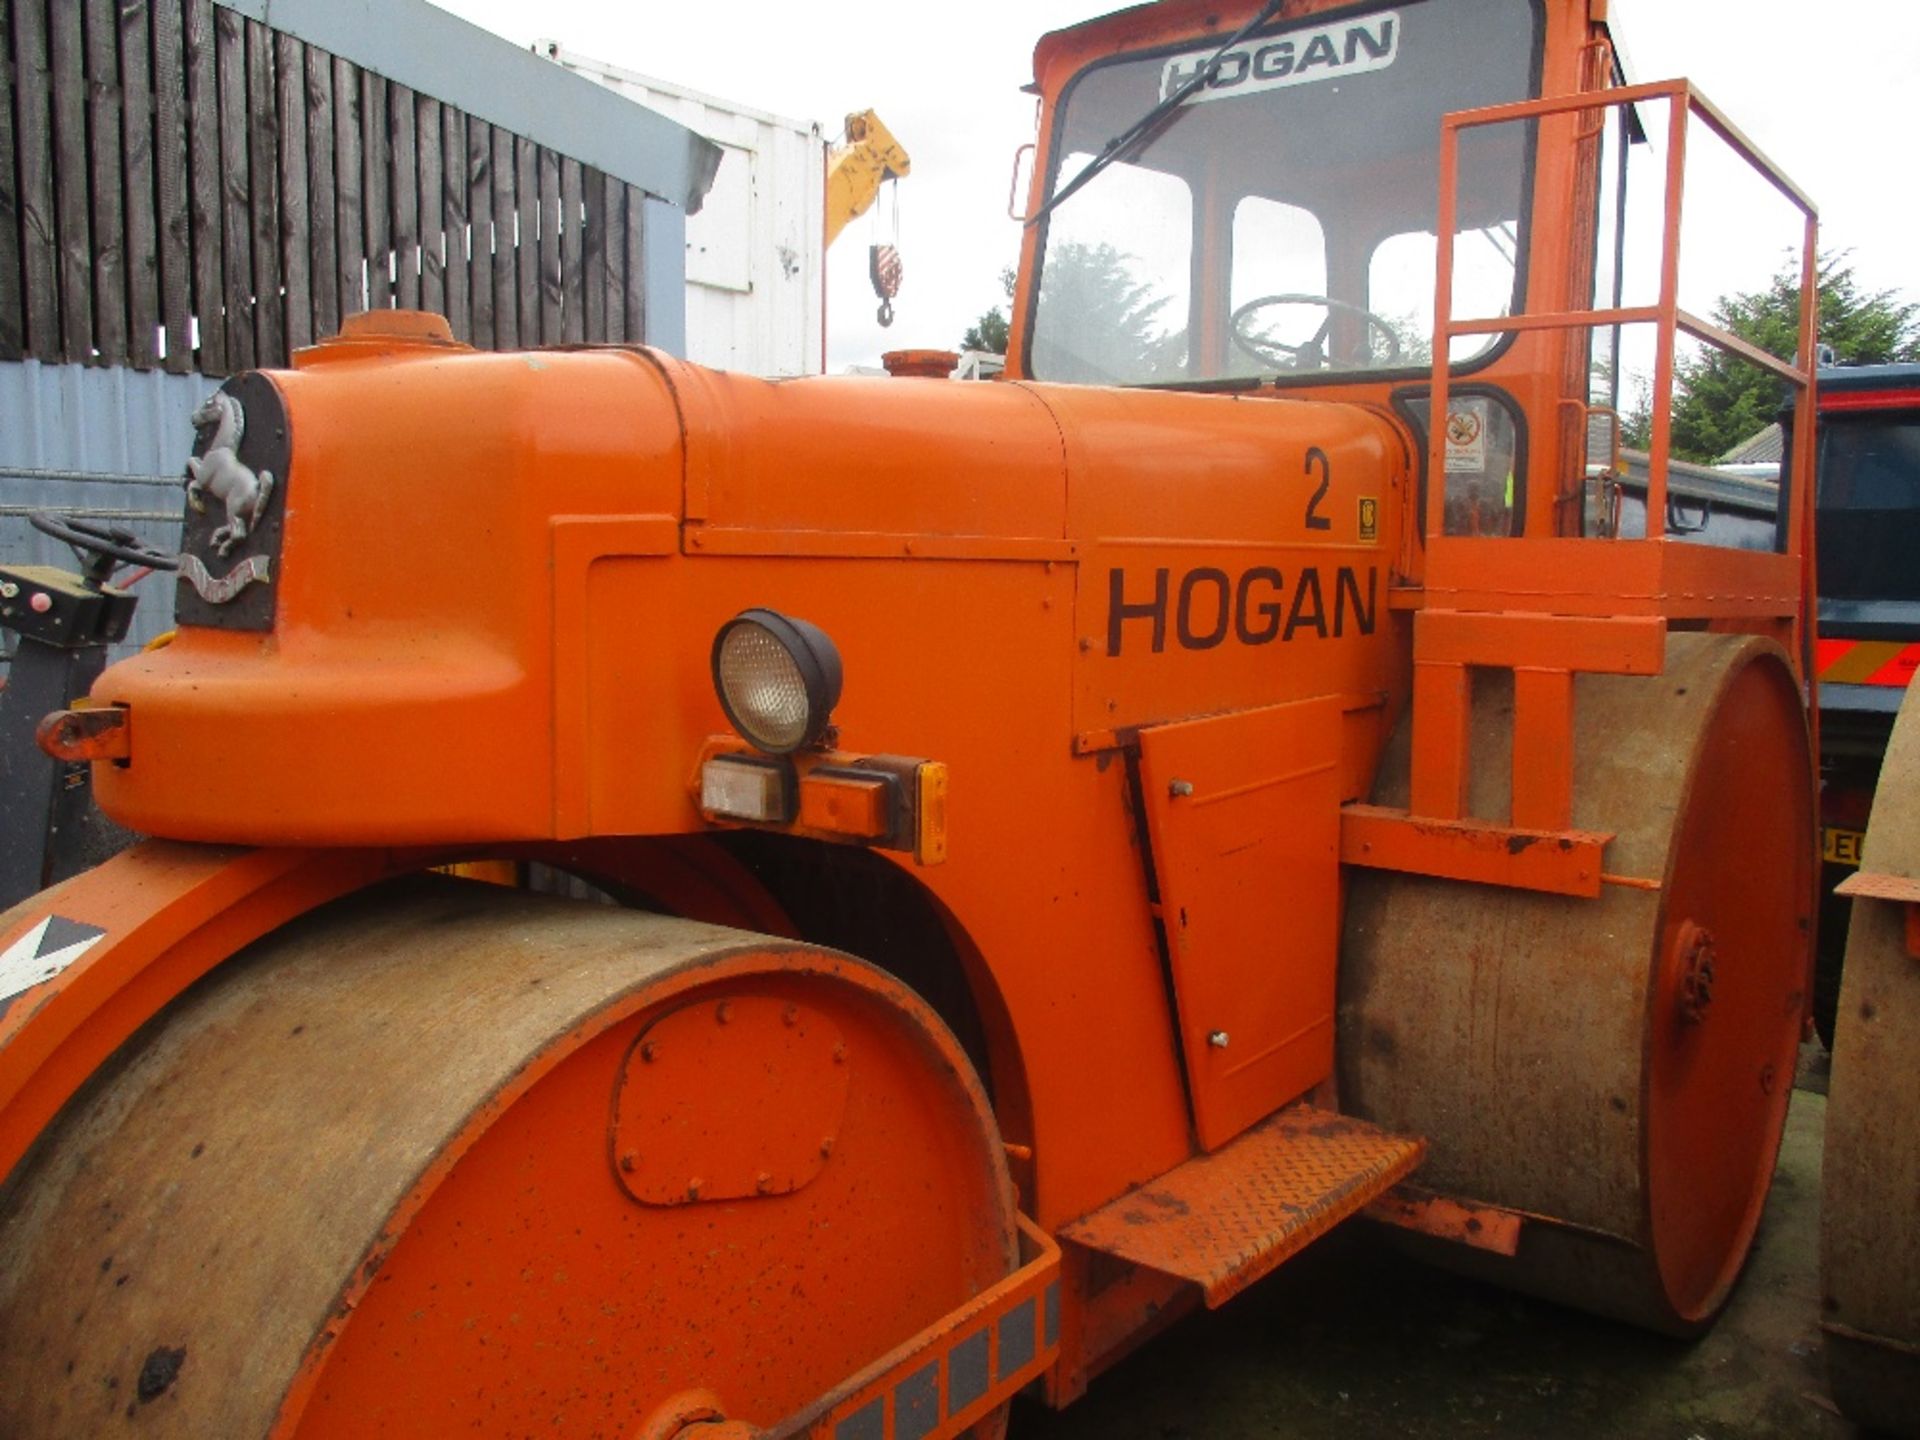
[182,187]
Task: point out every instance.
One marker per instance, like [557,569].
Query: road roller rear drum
[1618,1067]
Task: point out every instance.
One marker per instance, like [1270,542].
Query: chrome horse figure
[220,472]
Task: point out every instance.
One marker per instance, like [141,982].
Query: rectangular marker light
[858,806]
[744,788]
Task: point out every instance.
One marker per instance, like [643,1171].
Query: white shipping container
[754,252]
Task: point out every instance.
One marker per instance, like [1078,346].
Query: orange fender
[86,963]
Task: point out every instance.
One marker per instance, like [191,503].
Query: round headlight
[778,679]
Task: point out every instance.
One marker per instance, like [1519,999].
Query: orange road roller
[945,878]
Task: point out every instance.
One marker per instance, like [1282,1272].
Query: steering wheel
[1309,354]
[109,542]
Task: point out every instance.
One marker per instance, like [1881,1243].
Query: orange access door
[1244,814]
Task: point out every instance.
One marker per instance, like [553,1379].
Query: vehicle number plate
[1841,847]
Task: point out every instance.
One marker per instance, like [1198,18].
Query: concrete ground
[1352,1341]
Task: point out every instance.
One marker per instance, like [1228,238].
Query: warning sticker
[42,953]
[1467,437]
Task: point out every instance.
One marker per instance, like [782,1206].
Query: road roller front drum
[1617,1069]
[443,1155]
[1870,1189]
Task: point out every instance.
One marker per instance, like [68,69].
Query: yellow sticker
[1840,847]
[1369,518]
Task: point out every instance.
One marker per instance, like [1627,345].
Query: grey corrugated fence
[104,444]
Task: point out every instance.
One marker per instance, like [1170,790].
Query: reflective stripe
[869,1422]
[916,1404]
[1825,652]
[1899,670]
[1866,662]
[1868,400]
[966,1372]
[1017,1339]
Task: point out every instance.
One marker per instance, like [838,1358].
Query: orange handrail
[1666,314]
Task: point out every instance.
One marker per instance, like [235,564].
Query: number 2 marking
[1315,520]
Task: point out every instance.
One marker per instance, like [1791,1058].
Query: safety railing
[1550,608]
[1665,314]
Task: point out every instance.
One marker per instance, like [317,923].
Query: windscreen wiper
[1143,128]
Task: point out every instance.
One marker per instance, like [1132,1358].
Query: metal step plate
[1226,1219]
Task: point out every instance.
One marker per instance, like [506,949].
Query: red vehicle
[1868,534]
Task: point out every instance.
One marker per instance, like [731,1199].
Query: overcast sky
[1827,91]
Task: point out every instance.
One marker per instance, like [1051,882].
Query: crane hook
[883,265]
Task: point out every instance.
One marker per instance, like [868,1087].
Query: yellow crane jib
[856,170]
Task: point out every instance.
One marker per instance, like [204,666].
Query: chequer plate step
[1226,1219]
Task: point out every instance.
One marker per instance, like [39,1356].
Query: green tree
[1098,323]
[1634,401]
[1636,420]
[1720,400]
[989,332]
[1416,340]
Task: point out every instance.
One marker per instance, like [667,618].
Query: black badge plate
[236,590]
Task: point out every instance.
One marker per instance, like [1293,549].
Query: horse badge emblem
[221,473]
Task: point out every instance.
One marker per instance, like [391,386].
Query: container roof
[437,54]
